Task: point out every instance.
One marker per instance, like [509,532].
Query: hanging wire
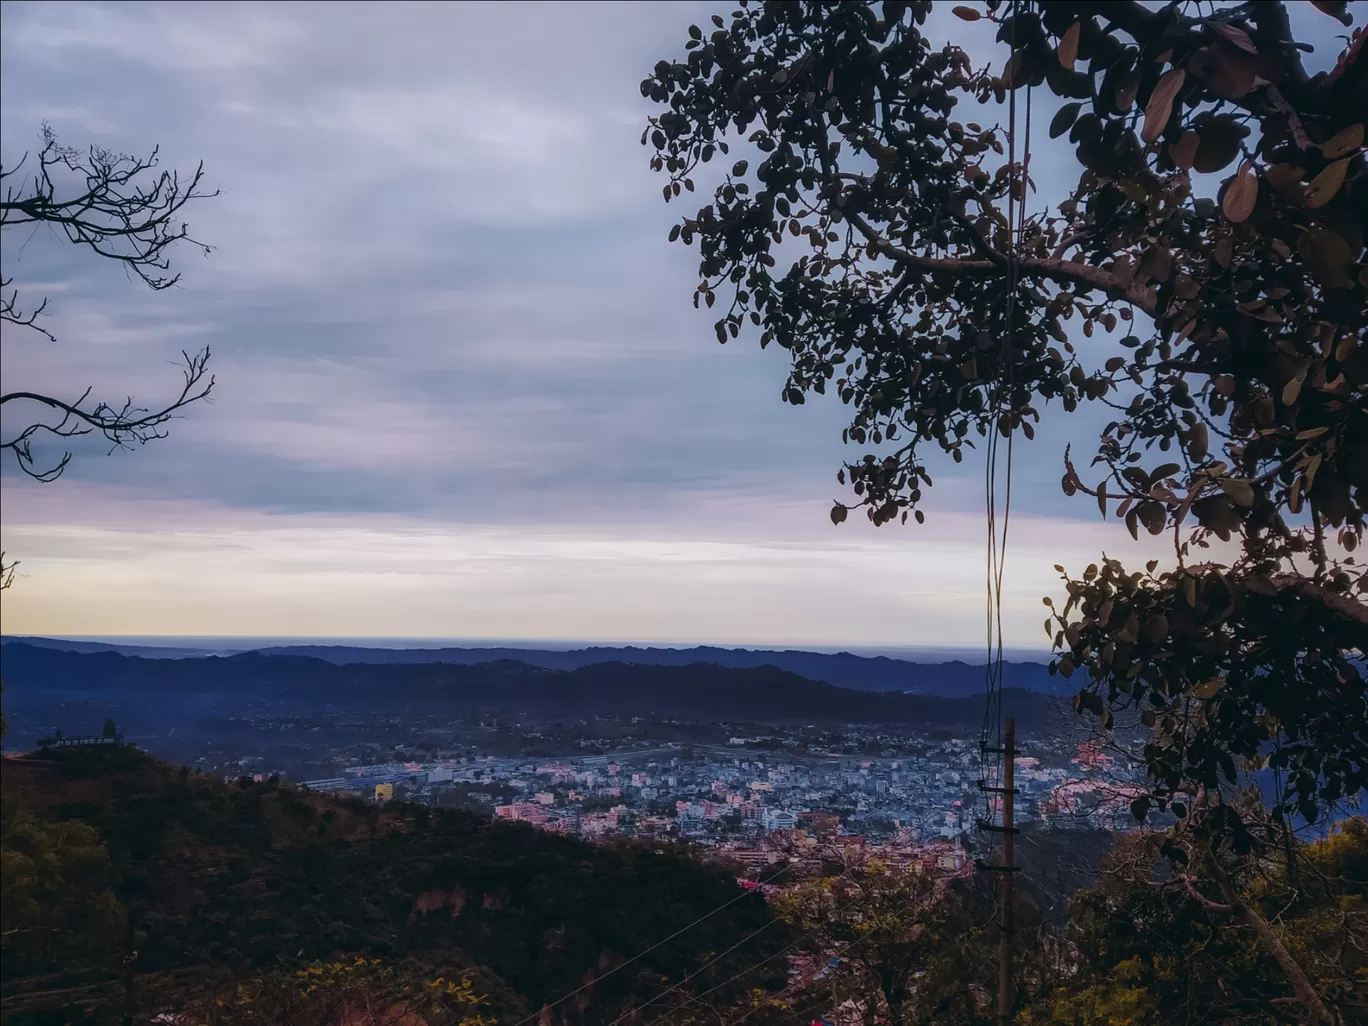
[690,977]
[658,944]
[844,952]
[991,735]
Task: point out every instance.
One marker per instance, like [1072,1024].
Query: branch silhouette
[122,208]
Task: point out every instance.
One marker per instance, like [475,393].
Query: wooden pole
[1008,811]
[130,953]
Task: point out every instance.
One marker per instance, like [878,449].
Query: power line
[642,954]
[996,774]
[733,979]
[694,975]
[744,972]
[735,1022]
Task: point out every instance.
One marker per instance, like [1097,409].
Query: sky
[461,388]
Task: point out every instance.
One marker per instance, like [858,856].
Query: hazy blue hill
[865,673]
[951,679]
[42,680]
[91,647]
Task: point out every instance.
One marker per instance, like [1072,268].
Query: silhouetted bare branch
[124,209]
[122,426]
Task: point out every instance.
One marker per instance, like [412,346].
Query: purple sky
[461,388]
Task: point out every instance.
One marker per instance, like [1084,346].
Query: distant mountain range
[178,690]
[953,679]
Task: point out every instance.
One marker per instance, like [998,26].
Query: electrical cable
[990,769]
[690,976]
[850,947]
[1004,404]
[733,979]
[994,675]
[642,954]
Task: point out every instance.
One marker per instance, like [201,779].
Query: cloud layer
[461,389]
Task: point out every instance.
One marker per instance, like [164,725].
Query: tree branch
[124,209]
[1346,605]
[1202,899]
[1063,271]
[119,214]
[120,426]
[1273,31]
[10,312]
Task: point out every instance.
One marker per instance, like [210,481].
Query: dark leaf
[1184,151]
[1235,71]
[1068,48]
[1241,195]
[1219,144]
[1233,35]
[1160,105]
[1064,119]
[1343,142]
[1322,189]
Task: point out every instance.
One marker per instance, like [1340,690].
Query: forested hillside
[226,882]
[250,894]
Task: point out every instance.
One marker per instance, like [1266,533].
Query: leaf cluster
[1203,279]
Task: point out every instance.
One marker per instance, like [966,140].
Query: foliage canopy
[1202,277]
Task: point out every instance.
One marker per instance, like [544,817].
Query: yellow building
[384,792]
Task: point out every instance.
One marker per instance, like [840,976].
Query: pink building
[522,812]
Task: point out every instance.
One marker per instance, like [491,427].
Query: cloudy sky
[462,392]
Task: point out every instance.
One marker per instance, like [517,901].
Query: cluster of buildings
[720,796]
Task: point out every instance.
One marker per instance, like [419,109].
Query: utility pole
[1008,868]
[1008,830]
[130,957]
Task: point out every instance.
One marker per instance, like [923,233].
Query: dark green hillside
[237,878]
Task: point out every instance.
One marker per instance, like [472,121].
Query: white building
[780,819]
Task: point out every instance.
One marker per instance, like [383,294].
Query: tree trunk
[894,987]
[1306,992]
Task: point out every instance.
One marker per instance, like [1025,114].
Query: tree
[121,208]
[6,579]
[892,250]
[56,898]
[354,992]
[906,947]
[889,928]
[109,729]
[1162,950]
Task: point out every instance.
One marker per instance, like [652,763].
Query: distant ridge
[93,647]
[161,693]
[949,679]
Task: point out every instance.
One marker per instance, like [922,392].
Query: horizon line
[544,644]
